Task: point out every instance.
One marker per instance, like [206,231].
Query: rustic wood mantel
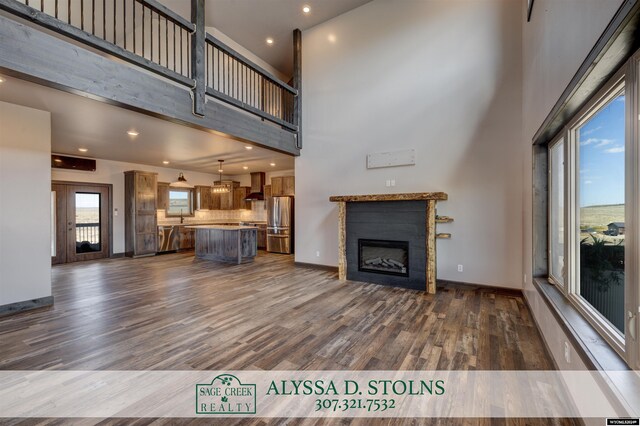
[431,199]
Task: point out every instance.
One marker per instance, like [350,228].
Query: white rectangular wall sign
[391,159]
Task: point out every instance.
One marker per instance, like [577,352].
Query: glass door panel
[87,220]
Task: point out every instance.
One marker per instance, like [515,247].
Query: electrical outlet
[460,268]
[567,352]
[317,253]
[525,278]
[388,183]
[393,182]
[115,212]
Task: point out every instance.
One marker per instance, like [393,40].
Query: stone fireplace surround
[391,217]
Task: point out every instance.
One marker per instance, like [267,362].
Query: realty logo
[225,395]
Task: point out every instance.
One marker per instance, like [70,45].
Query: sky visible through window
[602,156]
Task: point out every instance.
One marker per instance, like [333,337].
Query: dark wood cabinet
[239,194]
[282,186]
[227,198]
[163,195]
[204,198]
[140,223]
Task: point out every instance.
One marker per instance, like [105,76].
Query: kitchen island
[226,243]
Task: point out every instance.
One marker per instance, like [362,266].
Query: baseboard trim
[27,305]
[317,266]
[116,255]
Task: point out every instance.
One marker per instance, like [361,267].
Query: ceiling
[251,22]
[79,122]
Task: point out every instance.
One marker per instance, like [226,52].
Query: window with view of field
[180,202]
[600,192]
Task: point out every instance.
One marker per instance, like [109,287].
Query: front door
[81,221]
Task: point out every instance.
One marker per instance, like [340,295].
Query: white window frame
[560,282]
[627,79]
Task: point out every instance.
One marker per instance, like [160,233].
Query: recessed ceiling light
[306,9]
[245,167]
[269,41]
[1,80]
[57,160]
[331,38]
[272,164]
[248,147]
[165,162]
[83,149]
[132,133]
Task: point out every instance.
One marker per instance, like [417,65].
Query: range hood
[257,187]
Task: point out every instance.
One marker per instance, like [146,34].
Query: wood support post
[297,83]
[431,247]
[342,241]
[198,47]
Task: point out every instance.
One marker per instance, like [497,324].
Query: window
[180,202]
[557,232]
[600,210]
[589,169]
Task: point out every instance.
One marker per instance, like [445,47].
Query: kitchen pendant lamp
[220,187]
[181,182]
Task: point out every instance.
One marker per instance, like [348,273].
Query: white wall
[441,77]
[112,172]
[555,43]
[25,204]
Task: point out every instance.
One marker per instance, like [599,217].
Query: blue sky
[602,156]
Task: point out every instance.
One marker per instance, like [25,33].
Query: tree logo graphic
[225,395]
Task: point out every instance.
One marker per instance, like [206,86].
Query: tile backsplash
[258,213]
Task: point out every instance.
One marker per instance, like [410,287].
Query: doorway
[80,221]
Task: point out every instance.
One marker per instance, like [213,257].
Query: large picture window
[600,198]
[591,167]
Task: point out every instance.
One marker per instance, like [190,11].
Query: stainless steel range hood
[257,187]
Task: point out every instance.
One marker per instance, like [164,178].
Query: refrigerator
[280,225]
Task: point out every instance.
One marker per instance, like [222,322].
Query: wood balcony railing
[149,35]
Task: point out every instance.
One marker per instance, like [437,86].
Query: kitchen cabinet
[267,191]
[239,194]
[204,197]
[186,239]
[262,237]
[163,195]
[227,198]
[140,205]
[282,186]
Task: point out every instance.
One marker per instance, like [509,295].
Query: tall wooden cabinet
[140,205]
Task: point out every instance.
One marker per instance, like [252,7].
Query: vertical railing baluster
[133,17]
[166,42]
[104,19]
[82,15]
[143,25]
[93,17]
[151,33]
[41,5]
[181,31]
[69,12]
[114,21]
[124,22]
[56,6]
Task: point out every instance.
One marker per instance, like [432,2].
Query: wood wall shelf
[444,219]
[443,236]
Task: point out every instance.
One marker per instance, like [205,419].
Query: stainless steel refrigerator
[280,224]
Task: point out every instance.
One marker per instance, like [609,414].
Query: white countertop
[221,227]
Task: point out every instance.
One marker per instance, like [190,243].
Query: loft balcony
[140,55]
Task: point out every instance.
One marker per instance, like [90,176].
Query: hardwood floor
[176,312]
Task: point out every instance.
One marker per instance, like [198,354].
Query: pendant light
[181,182]
[220,188]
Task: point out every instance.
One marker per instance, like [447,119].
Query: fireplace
[384,257]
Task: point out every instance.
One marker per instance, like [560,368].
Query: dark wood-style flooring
[174,312]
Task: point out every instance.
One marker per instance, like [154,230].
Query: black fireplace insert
[384,257]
